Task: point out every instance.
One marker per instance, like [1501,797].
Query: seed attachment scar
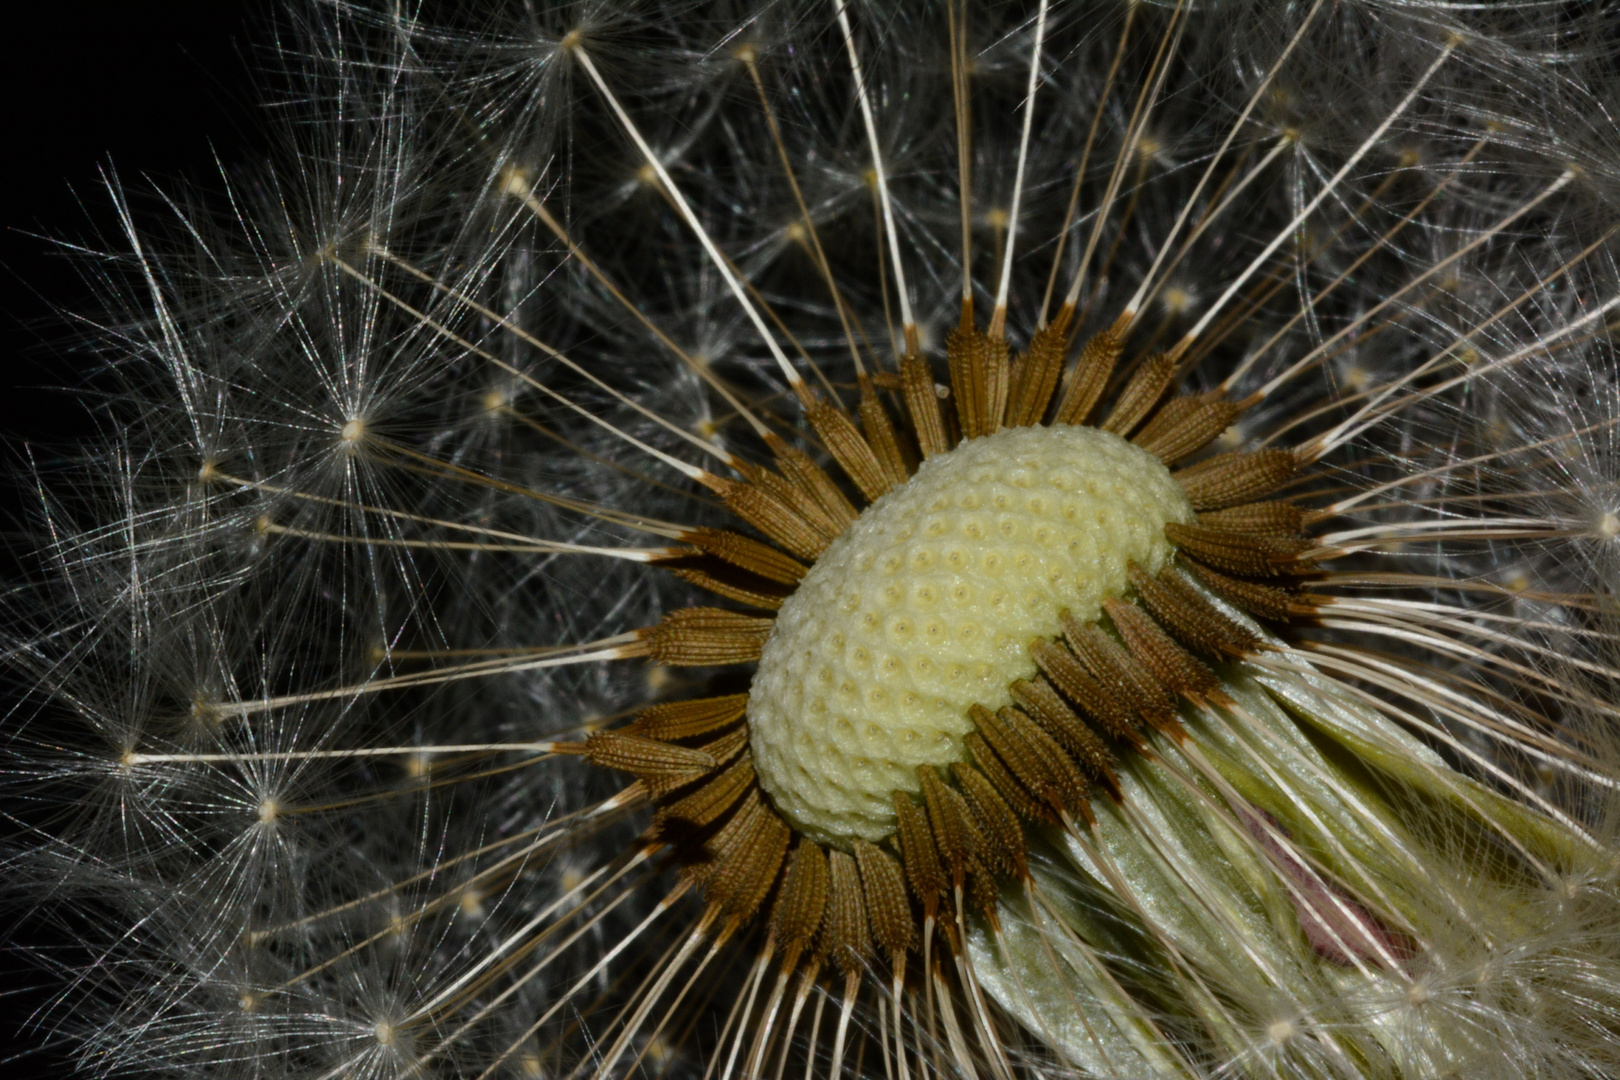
[929,604]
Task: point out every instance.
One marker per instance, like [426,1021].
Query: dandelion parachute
[1185,431]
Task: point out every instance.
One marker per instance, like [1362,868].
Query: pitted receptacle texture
[928,603]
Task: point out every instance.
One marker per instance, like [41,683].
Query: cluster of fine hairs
[388,661]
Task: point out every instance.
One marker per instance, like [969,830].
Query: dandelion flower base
[928,604]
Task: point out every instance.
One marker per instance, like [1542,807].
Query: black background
[156,90]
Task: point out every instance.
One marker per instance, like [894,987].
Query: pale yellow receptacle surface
[928,604]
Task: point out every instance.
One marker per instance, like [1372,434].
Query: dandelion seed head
[396,740]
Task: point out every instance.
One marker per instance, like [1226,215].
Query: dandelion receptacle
[852,539]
